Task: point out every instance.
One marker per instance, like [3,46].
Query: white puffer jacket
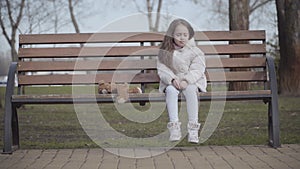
[189,64]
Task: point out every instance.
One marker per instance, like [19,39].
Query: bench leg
[273,106]
[273,126]
[15,128]
[8,129]
[10,116]
[11,130]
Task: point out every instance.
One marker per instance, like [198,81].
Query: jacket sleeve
[165,73]
[196,68]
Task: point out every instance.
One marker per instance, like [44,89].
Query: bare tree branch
[149,15]
[35,14]
[4,32]
[9,13]
[20,13]
[152,5]
[257,5]
[138,7]
[158,15]
[254,3]
[13,25]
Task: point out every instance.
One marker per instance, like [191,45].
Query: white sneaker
[193,129]
[175,132]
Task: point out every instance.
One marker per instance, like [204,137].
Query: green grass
[57,126]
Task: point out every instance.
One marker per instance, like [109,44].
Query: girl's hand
[183,84]
[176,84]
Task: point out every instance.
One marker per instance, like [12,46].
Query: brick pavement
[206,157]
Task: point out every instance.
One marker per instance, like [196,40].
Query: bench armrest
[10,81]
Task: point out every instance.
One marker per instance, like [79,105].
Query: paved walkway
[210,157]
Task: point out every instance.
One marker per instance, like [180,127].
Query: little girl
[181,67]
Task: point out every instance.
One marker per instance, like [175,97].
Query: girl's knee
[171,89]
[191,88]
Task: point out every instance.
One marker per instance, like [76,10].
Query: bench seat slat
[88,98]
[89,65]
[135,37]
[69,52]
[68,79]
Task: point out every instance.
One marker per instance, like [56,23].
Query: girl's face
[181,35]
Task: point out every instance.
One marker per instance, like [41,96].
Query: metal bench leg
[10,112]
[274,133]
[274,124]
[15,128]
[8,129]
[11,130]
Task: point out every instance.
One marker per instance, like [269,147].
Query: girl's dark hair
[167,48]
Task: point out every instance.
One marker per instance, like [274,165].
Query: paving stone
[232,160]
[127,163]
[163,161]
[109,160]
[196,159]
[44,159]
[145,163]
[273,162]
[204,157]
[61,158]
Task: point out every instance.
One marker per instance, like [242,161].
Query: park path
[200,157]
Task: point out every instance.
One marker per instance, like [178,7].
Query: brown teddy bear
[106,88]
[121,89]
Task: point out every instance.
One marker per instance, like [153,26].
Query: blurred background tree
[288,12]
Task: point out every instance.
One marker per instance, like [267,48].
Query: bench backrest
[86,58]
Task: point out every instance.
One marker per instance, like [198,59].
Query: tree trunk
[14,25]
[238,20]
[13,51]
[73,18]
[288,13]
[150,8]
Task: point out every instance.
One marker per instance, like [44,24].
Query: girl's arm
[197,67]
[165,74]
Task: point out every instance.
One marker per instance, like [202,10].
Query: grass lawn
[57,126]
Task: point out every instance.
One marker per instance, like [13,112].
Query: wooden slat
[258,62]
[90,65]
[243,35]
[233,49]
[68,79]
[89,98]
[246,76]
[87,65]
[86,51]
[111,37]
[107,37]
[65,52]
[131,78]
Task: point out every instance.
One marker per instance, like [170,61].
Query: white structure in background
[5,61]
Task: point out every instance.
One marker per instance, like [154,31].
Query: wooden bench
[86,58]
